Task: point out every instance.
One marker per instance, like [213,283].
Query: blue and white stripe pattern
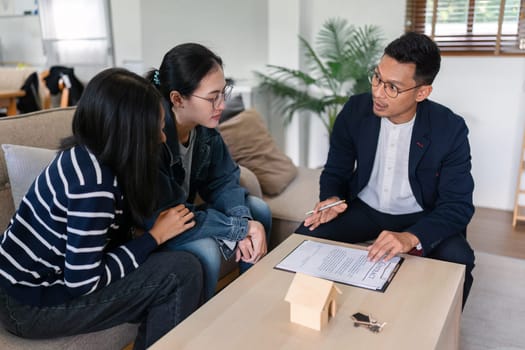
[57,244]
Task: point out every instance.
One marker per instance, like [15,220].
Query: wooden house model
[312,301]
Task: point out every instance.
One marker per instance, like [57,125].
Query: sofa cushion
[252,146]
[298,198]
[249,181]
[24,164]
[39,129]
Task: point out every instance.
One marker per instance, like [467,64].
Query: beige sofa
[44,129]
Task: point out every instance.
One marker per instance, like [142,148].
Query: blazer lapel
[367,147]
[418,146]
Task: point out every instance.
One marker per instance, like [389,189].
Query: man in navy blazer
[402,163]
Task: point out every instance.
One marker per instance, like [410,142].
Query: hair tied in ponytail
[156,77]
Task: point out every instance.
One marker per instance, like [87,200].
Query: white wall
[234,29]
[489,93]
[284,22]
[388,14]
[21,41]
[20,38]
[127,34]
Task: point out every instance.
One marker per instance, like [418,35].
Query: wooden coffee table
[422,308]
[8,100]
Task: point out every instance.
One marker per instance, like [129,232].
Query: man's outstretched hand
[388,244]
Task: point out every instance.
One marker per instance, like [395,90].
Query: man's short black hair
[419,49]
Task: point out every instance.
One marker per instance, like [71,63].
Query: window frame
[468,44]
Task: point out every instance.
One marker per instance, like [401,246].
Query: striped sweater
[69,236]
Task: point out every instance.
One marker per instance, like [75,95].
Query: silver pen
[324,207]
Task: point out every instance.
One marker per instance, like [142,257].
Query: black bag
[31,101]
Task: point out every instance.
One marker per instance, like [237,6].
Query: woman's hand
[171,223]
[252,248]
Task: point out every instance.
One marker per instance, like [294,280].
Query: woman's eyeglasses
[221,97]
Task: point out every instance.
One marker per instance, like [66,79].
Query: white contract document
[340,264]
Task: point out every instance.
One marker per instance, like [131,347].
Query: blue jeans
[162,292]
[206,249]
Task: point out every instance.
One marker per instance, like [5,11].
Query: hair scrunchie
[156,77]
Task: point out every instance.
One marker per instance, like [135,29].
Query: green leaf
[342,59]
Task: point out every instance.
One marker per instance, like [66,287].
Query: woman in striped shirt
[68,261]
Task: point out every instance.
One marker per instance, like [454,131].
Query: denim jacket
[215,177]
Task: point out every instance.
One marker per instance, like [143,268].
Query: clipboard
[340,264]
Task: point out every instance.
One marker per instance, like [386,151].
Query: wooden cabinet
[519,201]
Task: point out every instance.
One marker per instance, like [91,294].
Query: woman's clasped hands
[252,248]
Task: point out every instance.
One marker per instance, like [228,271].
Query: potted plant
[337,68]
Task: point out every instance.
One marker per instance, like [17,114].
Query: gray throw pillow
[233,106]
[24,164]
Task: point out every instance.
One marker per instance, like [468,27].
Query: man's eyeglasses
[221,97]
[390,89]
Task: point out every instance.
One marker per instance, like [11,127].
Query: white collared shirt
[388,189]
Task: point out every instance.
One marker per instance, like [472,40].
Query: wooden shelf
[519,201]
[18,16]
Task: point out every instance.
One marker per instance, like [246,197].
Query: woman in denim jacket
[196,161]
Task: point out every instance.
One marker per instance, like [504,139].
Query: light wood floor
[491,231]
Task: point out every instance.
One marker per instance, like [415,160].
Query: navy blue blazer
[438,166]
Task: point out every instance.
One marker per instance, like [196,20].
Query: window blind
[476,27]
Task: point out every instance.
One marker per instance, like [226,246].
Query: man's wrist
[414,241]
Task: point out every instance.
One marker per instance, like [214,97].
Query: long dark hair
[183,68]
[118,120]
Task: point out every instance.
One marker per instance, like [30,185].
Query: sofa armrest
[249,181]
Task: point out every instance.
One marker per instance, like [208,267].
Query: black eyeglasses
[390,89]
[221,97]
